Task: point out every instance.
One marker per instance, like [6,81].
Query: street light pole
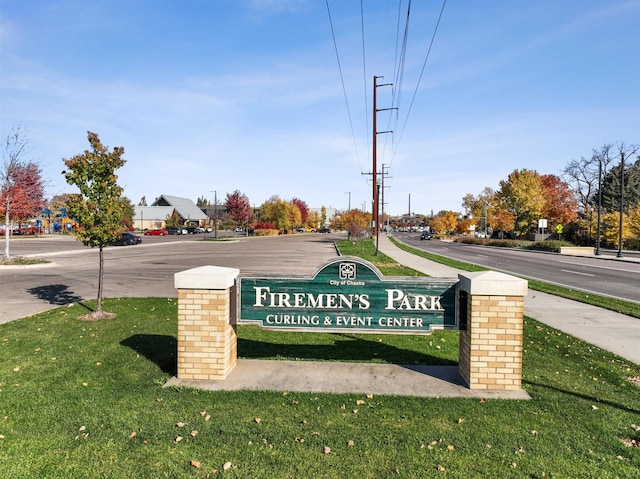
[599,205]
[621,204]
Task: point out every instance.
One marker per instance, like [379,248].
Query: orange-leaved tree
[21,185]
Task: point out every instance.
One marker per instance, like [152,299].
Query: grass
[86,399]
[21,261]
[613,304]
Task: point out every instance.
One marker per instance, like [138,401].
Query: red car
[156,232]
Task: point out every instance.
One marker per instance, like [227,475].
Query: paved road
[605,275]
[146,269]
[612,331]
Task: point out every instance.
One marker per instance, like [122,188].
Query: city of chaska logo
[347,271]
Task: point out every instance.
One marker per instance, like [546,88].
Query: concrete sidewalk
[617,333]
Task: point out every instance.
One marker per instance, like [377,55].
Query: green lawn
[86,400]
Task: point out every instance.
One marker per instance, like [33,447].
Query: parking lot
[146,269]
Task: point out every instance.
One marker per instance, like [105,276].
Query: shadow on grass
[163,351]
[157,348]
[57,294]
[344,348]
[594,399]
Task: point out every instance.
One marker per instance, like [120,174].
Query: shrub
[263,225]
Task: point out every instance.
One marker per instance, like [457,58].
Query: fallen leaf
[441,468]
[181,424]
[194,433]
[132,435]
[355,411]
[350,443]
[326,450]
[177,439]
[257,420]
[207,417]
[460,421]
[299,439]
[82,428]
[227,465]
[534,432]
[450,447]
[195,464]
[369,396]
[360,402]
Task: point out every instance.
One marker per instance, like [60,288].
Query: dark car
[127,239]
[425,235]
[324,230]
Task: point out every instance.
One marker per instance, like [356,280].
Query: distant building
[156,215]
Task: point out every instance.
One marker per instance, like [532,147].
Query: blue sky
[247,95]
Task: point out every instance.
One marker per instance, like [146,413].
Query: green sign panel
[349,294]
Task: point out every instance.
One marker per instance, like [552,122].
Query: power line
[335,45]
[444,2]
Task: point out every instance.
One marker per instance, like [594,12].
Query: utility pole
[376,205]
[384,175]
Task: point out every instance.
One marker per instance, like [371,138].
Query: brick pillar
[491,343]
[207,343]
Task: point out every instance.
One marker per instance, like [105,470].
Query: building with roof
[156,215]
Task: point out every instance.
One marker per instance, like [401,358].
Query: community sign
[349,294]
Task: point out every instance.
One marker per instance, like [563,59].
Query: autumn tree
[238,208]
[522,194]
[634,221]
[444,222]
[561,206]
[295,216]
[99,207]
[355,221]
[503,220]
[173,220]
[304,210]
[275,210]
[611,228]
[21,184]
[480,208]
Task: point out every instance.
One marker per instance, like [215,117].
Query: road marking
[576,272]
[601,267]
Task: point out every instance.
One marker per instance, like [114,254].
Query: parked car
[425,235]
[176,230]
[324,230]
[198,229]
[156,232]
[126,239]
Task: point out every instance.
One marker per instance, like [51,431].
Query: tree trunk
[7,231]
[98,311]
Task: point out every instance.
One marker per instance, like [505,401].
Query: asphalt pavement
[614,332]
